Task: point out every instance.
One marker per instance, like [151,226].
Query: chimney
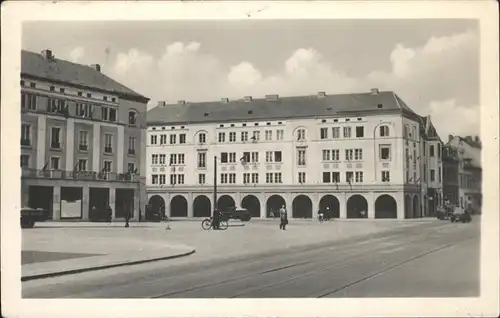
[476,139]
[374,91]
[321,94]
[224,100]
[162,103]
[47,54]
[274,97]
[450,138]
[468,139]
[248,98]
[96,67]
[182,102]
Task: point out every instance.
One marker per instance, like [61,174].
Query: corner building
[83,140]
[358,154]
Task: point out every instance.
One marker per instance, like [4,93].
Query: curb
[100,267]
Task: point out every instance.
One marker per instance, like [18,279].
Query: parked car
[31,215]
[461,215]
[241,214]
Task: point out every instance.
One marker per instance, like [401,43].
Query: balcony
[55,145]
[108,149]
[78,175]
[83,147]
[131,151]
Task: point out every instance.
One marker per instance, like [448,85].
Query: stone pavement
[116,245]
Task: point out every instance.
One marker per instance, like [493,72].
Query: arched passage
[273,205]
[156,208]
[330,206]
[225,203]
[178,206]
[252,204]
[357,207]
[386,207]
[302,207]
[202,206]
[416,207]
[408,209]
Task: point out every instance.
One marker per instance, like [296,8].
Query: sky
[433,65]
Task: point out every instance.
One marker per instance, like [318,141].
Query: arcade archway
[178,206]
[252,204]
[202,206]
[386,207]
[330,206]
[302,207]
[357,207]
[274,204]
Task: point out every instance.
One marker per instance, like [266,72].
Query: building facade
[83,140]
[463,172]
[359,155]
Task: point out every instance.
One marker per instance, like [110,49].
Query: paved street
[428,259]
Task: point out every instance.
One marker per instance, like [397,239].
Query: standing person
[127,218]
[283,218]
[110,213]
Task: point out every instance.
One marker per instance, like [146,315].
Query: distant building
[431,165]
[82,140]
[463,172]
[361,155]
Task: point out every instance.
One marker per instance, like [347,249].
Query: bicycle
[206,224]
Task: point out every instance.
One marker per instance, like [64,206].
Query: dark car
[241,214]
[460,215]
[31,215]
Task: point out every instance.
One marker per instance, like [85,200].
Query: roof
[280,108]
[61,71]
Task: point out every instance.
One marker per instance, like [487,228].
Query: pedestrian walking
[283,218]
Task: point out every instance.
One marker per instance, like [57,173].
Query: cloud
[76,55]
[451,118]
[134,61]
[435,78]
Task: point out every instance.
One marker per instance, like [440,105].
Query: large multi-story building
[463,172]
[83,140]
[360,155]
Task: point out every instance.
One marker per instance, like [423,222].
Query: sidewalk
[59,248]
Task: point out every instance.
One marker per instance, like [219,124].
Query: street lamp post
[215,185]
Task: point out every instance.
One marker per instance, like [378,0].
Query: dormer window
[52,88]
[206,114]
[250,112]
[105,98]
[89,95]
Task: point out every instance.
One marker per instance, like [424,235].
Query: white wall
[371,168]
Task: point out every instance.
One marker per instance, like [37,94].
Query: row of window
[162,179]
[163,139]
[269,135]
[83,110]
[62,90]
[83,139]
[272,156]
[161,159]
[272,177]
[54,163]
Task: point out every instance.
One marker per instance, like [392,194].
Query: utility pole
[215,186]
